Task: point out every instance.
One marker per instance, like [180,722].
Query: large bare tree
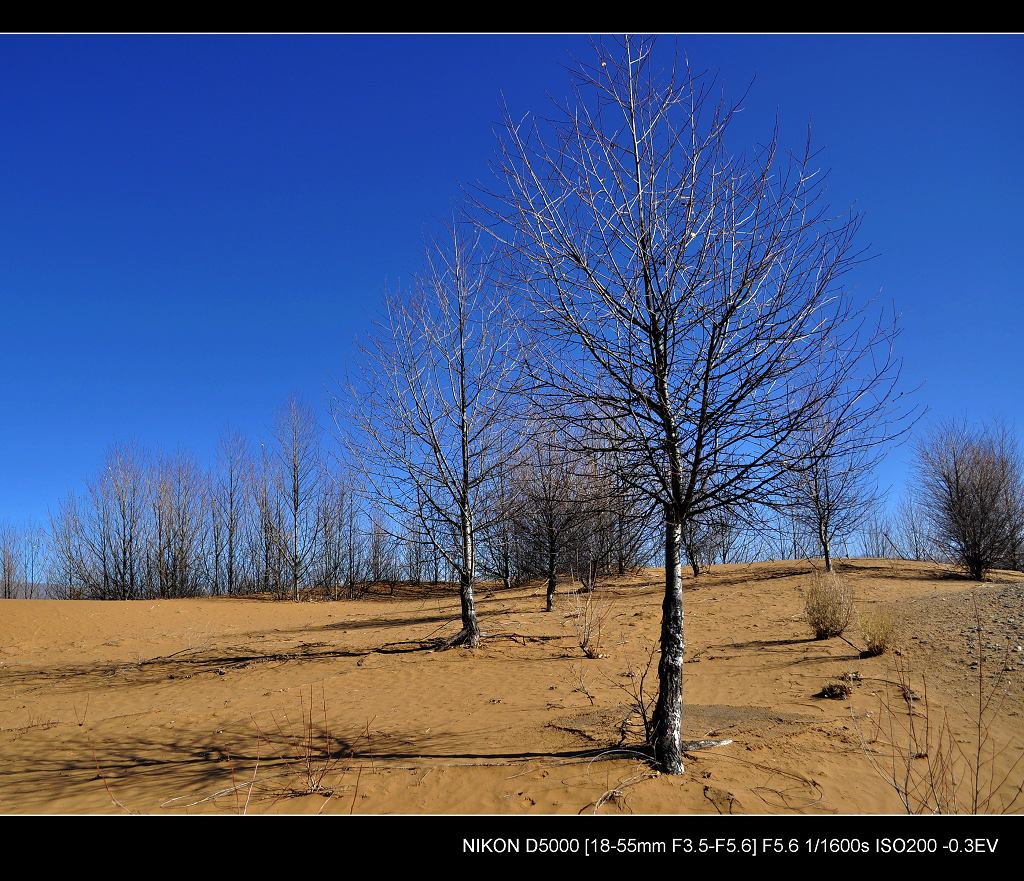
[684,292]
[437,419]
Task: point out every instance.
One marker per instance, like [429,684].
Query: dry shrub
[588,615]
[836,691]
[308,747]
[877,629]
[915,750]
[641,698]
[829,605]
[933,768]
[581,683]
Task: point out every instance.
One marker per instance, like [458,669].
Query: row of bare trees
[573,515]
[277,520]
[23,556]
[286,517]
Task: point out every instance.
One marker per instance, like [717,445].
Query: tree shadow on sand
[283,755]
[192,662]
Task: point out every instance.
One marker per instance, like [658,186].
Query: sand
[255,706]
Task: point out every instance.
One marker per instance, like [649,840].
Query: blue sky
[191,228]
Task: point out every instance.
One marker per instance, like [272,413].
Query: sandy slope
[188,705]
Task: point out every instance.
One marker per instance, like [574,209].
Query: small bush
[877,629]
[829,605]
[836,691]
[588,616]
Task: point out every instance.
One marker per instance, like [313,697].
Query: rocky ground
[979,628]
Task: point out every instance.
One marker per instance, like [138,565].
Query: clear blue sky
[191,228]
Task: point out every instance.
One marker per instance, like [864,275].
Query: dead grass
[836,691]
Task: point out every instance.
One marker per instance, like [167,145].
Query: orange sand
[205,705]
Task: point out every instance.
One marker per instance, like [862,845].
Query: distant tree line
[290,519]
[287,517]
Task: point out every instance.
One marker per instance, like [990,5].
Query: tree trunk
[506,571]
[668,712]
[827,553]
[552,577]
[470,633]
[694,564]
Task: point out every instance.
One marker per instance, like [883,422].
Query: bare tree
[22,559]
[330,557]
[266,527]
[229,503]
[970,486]
[300,481]
[35,555]
[831,483]
[697,538]
[119,507]
[10,562]
[500,545]
[685,293]
[381,562]
[554,509]
[71,570]
[100,542]
[352,536]
[909,527]
[436,420]
[593,537]
[174,557]
[576,517]
[632,524]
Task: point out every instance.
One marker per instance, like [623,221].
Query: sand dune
[225,705]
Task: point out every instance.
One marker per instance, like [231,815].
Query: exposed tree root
[465,638]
